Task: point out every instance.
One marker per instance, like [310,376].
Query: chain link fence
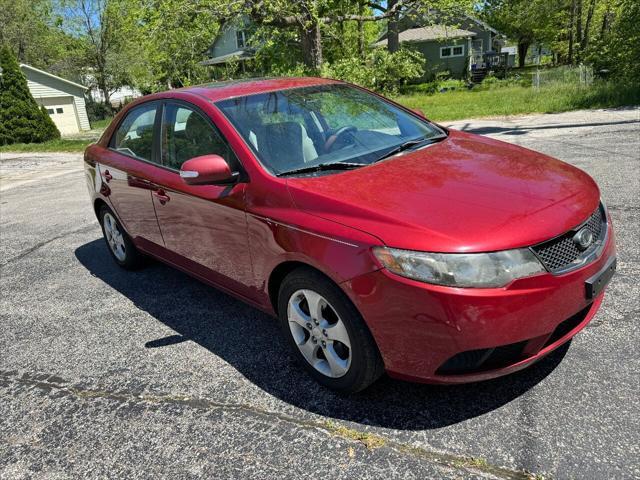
[579,75]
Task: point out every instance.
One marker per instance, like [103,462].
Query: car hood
[464,194]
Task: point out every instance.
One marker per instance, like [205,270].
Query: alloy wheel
[114,237]
[319,333]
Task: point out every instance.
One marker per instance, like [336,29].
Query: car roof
[237,88]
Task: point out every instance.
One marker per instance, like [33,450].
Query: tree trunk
[523,47]
[587,26]
[605,22]
[360,31]
[572,21]
[393,29]
[102,86]
[311,45]
[579,32]
[21,54]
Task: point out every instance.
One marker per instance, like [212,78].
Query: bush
[442,83]
[21,119]
[379,70]
[49,129]
[97,110]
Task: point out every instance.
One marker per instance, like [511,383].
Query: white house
[117,98]
[63,99]
[231,44]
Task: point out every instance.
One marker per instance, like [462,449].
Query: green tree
[615,47]
[21,119]
[168,40]
[31,28]
[26,30]
[521,20]
[104,55]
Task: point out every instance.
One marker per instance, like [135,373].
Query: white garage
[63,99]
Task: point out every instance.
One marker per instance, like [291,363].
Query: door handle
[107,176]
[161,196]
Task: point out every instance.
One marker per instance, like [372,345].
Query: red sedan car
[381,241]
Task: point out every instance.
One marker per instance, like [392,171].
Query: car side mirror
[206,170]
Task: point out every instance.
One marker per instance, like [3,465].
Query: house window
[59,110]
[241,38]
[452,51]
[50,111]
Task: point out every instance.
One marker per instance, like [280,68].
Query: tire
[347,366]
[119,244]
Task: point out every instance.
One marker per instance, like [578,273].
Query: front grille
[561,252]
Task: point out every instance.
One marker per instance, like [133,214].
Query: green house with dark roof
[464,47]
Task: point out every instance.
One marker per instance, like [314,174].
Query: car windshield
[301,128]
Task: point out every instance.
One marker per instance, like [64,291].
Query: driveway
[105,373]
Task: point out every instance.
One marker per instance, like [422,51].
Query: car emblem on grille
[583,239]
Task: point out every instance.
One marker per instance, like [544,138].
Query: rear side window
[134,136]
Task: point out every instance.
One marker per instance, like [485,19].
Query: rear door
[127,167]
[205,224]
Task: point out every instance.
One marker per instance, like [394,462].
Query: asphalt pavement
[151,374]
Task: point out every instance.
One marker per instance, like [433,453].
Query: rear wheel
[120,245]
[327,333]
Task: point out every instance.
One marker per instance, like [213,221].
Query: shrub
[49,129]
[97,110]
[379,70]
[21,119]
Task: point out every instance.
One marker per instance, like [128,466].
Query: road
[110,374]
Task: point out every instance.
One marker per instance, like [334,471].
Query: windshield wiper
[407,145]
[323,166]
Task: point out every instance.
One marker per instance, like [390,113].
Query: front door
[126,168]
[206,224]
[477,53]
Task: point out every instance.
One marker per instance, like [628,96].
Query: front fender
[339,252]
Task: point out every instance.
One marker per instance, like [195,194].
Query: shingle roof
[432,32]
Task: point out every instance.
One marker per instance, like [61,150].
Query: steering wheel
[333,138]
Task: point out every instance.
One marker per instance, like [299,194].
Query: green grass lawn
[516,100]
[60,145]
[101,124]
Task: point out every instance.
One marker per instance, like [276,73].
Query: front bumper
[420,328]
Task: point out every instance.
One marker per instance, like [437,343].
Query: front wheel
[120,245]
[327,333]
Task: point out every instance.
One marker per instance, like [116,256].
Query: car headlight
[477,270]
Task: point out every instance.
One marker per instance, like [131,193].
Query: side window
[135,134]
[186,134]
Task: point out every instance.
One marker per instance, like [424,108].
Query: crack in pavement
[52,383]
[39,245]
